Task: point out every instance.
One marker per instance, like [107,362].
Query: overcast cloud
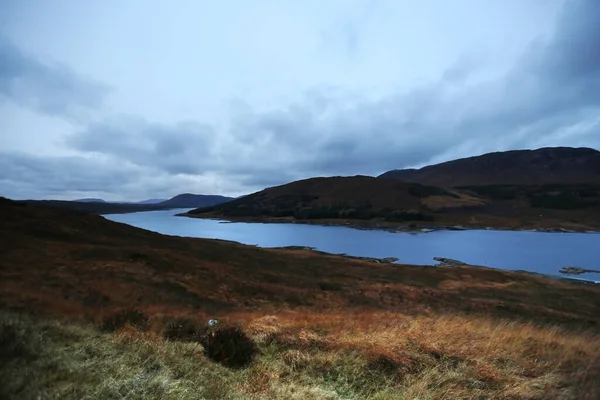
[142,99]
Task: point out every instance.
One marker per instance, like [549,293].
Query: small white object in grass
[212,322]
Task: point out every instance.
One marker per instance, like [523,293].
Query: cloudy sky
[145,98]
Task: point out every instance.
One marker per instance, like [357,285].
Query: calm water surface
[531,251]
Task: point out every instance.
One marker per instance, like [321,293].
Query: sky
[127,100]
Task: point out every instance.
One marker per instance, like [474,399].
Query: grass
[366,355]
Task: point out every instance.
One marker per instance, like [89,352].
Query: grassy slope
[368,200]
[328,327]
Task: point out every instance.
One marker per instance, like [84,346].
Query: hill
[359,197]
[326,326]
[545,166]
[383,202]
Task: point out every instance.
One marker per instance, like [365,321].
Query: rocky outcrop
[570,270]
[448,262]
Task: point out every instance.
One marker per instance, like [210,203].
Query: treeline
[299,209]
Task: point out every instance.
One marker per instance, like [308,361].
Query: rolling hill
[545,166]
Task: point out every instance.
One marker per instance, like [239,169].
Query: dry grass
[366,355]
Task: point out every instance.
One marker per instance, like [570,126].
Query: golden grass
[363,355]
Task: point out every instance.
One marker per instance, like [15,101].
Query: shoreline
[442,263]
[387,226]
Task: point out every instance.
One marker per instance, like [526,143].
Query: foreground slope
[383,202]
[551,165]
[69,262]
[326,326]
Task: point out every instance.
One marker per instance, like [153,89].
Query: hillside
[553,165]
[185,200]
[359,197]
[325,326]
[382,202]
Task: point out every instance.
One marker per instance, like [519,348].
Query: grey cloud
[22,174]
[179,149]
[26,176]
[50,88]
[551,96]
[553,87]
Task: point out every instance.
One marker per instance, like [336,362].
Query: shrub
[136,318]
[229,346]
[182,329]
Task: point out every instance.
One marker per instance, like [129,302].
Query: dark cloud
[545,99]
[50,88]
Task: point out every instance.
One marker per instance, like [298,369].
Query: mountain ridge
[547,165]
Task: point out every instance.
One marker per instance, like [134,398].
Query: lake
[538,252]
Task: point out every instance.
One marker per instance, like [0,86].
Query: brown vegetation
[318,326]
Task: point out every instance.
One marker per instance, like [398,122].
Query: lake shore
[397,227]
[442,263]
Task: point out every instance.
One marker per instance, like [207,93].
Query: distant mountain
[188,200]
[97,207]
[150,201]
[185,200]
[550,165]
[90,200]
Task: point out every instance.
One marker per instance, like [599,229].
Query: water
[537,252]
